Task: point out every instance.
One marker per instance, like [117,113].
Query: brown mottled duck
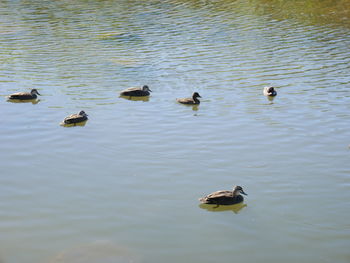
[224,197]
[76,118]
[190,101]
[136,92]
[24,95]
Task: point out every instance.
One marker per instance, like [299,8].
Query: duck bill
[242,192]
[38,93]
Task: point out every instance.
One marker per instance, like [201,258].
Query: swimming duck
[224,197]
[75,118]
[190,101]
[24,95]
[136,92]
[270,91]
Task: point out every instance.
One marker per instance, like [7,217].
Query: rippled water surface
[125,187]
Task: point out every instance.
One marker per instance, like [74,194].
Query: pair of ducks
[33,94]
[145,91]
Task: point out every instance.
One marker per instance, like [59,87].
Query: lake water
[125,187]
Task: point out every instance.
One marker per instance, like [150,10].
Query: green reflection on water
[81,124]
[133,98]
[234,208]
[315,12]
[33,101]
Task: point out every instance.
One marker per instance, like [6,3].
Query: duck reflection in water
[82,124]
[195,107]
[144,99]
[234,208]
[33,101]
[270,98]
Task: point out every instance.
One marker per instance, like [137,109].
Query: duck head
[146,88]
[271,90]
[238,190]
[34,91]
[82,113]
[196,95]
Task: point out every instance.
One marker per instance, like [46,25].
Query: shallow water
[131,177]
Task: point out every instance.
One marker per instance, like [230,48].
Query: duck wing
[129,91]
[219,194]
[132,89]
[216,197]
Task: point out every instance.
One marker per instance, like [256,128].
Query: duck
[24,95]
[270,91]
[76,118]
[136,91]
[190,101]
[224,197]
